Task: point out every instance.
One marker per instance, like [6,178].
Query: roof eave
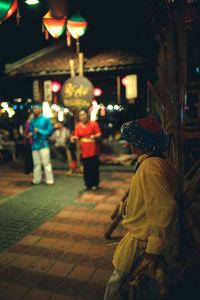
[86,70]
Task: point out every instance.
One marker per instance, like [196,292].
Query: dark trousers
[91,171]
[28,160]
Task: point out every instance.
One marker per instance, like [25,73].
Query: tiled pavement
[66,257]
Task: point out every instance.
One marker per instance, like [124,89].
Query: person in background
[151,211]
[28,160]
[89,134]
[8,145]
[41,129]
[17,138]
[59,140]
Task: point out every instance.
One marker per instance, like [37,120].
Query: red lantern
[7,8]
[124,81]
[97,92]
[55,86]
[54,26]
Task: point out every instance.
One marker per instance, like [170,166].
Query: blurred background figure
[7,146]
[89,134]
[59,141]
[28,160]
[17,138]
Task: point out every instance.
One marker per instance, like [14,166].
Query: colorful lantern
[54,26]
[7,8]
[76,26]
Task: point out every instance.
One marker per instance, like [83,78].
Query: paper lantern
[55,86]
[97,92]
[124,81]
[131,87]
[7,8]
[77,26]
[31,2]
[54,26]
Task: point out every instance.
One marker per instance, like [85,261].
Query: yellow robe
[150,211]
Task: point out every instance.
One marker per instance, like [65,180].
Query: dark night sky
[110,24]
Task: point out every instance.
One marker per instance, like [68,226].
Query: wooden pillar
[71,64]
[182,73]
[80,57]
[118,90]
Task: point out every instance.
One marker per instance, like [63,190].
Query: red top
[88,148]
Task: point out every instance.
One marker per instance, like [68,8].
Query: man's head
[145,135]
[37,110]
[60,125]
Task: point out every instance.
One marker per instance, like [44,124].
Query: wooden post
[80,57]
[77,46]
[118,91]
[181,55]
[71,64]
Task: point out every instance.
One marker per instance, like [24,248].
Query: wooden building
[104,69]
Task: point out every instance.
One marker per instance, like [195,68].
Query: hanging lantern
[32,2]
[54,26]
[7,8]
[131,87]
[55,86]
[124,81]
[76,26]
[97,92]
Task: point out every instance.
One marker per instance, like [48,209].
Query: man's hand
[36,130]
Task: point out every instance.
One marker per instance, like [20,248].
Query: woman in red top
[89,133]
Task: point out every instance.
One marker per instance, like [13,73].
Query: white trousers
[42,157]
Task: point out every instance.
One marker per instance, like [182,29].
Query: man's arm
[48,131]
[161,209]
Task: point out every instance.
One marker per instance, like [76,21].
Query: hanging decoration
[32,2]
[55,87]
[53,26]
[124,81]
[76,26]
[97,92]
[131,88]
[7,8]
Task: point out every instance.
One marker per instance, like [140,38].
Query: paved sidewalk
[65,256]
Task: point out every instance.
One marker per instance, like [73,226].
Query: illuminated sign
[77,92]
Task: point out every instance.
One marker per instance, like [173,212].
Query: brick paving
[66,256]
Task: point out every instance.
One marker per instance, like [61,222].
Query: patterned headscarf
[145,134]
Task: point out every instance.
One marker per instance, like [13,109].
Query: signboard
[36,91]
[77,92]
[48,95]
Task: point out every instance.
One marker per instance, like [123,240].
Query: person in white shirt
[59,140]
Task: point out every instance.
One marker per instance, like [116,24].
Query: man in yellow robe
[151,209]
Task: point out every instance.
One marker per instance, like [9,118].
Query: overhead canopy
[54,60]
